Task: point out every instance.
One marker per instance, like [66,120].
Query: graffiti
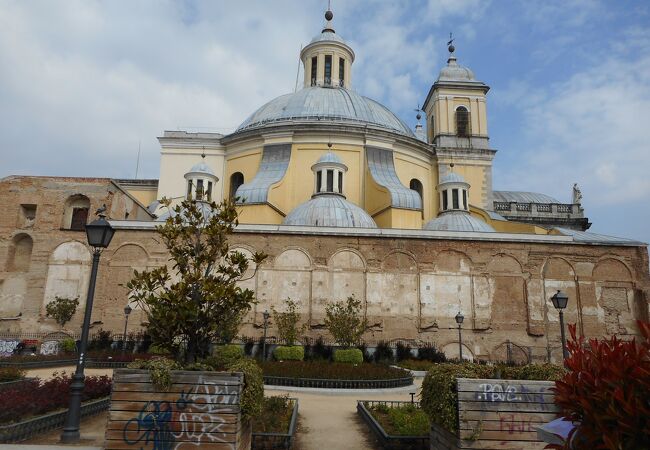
[7,347]
[519,423]
[510,393]
[195,417]
[50,348]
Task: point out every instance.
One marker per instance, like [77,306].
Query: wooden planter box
[387,441]
[200,409]
[498,414]
[264,441]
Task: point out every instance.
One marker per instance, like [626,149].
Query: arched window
[462,122]
[236,180]
[416,185]
[75,214]
[20,253]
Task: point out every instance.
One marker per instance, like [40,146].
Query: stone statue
[577,194]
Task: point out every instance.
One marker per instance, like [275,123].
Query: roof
[275,160]
[586,237]
[523,197]
[452,177]
[455,72]
[201,167]
[329,210]
[382,170]
[328,35]
[204,207]
[329,157]
[319,103]
[458,221]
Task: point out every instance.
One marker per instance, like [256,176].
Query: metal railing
[338,384]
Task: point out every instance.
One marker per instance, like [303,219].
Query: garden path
[327,422]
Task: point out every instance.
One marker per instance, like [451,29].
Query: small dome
[329,157]
[201,167]
[455,72]
[204,207]
[458,221]
[326,105]
[329,210]
[452,177]
[328,35]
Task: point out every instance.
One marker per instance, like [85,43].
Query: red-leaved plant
[607,391]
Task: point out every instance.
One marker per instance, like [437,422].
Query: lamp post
[459,320]
[266,315]
[99,234]
[127,311]
[560,300]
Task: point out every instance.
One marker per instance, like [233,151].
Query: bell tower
[456,115]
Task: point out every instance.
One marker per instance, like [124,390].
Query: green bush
[402,352]
[439,397]
[350,356]
[276,415]
[155,350]
[289,353]
[228,354]
[383,353]
[68,345]
[252,398]
[11,374]
[406,420]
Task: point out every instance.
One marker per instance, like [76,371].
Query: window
[465,199]
[454,198]
[208,193]
[75,215]
[319,181]
[340,182]
[445,202]
[189,189]
[199,189]
[342,71]
[462,122]
[27,216]
[328,69]
[416,186]
[236,180]
[330,181]
[314,70]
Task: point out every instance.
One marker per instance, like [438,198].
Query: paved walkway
[327,421]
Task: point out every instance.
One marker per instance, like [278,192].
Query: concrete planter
[496,414]
[199,409]
[278,440]
[20,431]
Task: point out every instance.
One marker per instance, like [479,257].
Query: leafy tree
[345,321]
[287,322]
[61,309]
[197,300]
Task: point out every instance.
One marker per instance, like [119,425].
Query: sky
[84,84]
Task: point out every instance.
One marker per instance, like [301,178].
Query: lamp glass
[560,300]
[127,310]
[99,233]
[266,315]
[459,318]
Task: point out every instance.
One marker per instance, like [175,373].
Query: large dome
[329,210]
[318,104]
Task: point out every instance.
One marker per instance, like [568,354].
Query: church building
[346,199]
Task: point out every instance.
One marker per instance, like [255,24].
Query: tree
[287,322]
[196,301]
[345,321]
[61,309]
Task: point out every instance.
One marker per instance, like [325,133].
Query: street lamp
[127,311]
[560,300]
[266,315]
[99,234]
[459,320]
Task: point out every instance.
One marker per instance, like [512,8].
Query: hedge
[351,356]
[289,353]
[439,398]
[228,354]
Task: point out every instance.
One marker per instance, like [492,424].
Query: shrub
[403,351]
[606,390]
[62,309]
[102,340]
[252,397]
[287,322]
[429,352]
[345,321]
[320,351]
[331,371]
[228,354]
[383,352]
[11,374]
[406,420]
[367,357]
[68,345]
[276,415]
[249,343]
[289,353]
[350,356]
[439,397]
[36,397]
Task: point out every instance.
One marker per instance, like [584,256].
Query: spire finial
[203,153]
[329,15]
[418,116]
[450,44]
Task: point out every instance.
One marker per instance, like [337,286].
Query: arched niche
[346,277]
[131,255]
[559,274]
[615,297]
[293,258]
[611,269]
[399,261]
[452,262]
[20,253]
[248,280]
[68,273]
[451,351]
[508,302]
[346,260]
[510,352]
[75,212]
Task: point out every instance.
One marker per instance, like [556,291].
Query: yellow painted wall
[407,168]
[377,198]
[443,109]
[247,163]
[144,196]
[475,175]
[259,214]
[507,226]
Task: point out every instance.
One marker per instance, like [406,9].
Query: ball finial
[418,116]
[451,48]
[329,15]
[329,145]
